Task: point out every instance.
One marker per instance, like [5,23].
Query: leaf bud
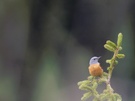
[108,47]
[119,40]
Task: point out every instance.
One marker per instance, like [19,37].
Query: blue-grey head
[94,60]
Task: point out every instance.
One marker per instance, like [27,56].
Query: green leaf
[85,82]
[108,68]
[112,44]
[115,62]
[95,99]
[86,96]
[118,97]
[79,83]
[95,85]
[103,78]
[108,47]
[105,74]
[108,61]
[114,98]
[106,91]
[120,48]
[120,56]
[90,78]
[85,87]
[104,96]
[119,40]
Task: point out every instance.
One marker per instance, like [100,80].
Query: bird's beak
[99,57]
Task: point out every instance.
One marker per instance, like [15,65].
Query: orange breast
[95,70]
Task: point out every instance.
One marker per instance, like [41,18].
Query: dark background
[45,47]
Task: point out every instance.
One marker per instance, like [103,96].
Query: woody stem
[111,68]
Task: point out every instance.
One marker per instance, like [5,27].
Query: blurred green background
[45,47]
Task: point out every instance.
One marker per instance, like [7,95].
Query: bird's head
[94,60]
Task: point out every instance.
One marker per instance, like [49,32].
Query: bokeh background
[45,47]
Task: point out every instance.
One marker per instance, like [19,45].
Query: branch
[90,85]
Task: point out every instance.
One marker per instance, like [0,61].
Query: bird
[94,67]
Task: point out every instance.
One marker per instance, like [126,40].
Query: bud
[90,77]
[108,68]
[120,56]
[115,62]
[95,85]
[108,47]
[86,96]
[119,40]
[118,97]
[112,44]
[120,48]
[108,61]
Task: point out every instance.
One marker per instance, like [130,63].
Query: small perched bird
[94,67]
